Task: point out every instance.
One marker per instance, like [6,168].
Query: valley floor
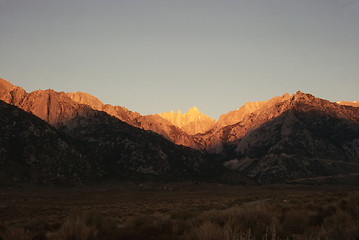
[180,211]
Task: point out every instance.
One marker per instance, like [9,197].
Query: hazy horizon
[158,56]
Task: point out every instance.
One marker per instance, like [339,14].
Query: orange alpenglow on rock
[58,107]
[249,108]
[192,122]
[347,103]
[5,86]
[85,98]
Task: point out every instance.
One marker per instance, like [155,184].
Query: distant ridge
[347,103]
[285,138]
[193,129]
[86,98]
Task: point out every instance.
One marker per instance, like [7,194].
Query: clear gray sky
[153,56]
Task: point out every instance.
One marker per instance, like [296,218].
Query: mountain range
[286,138]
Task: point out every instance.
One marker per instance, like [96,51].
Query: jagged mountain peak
[192,122]
[302,96]
[194,109]
[193,114]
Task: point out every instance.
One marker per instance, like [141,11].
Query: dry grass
[88,225]
[207,212]
[16,233]
[148,227]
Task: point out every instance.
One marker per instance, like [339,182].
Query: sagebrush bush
[76,230]
[341,225]
[148,227]
[295,221]
[182,214]
[15,233]
[86,225]
[207,230]
[239,222]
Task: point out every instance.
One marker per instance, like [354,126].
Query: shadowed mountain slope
[163,127]
[33,151]
[124,147]
[313,137]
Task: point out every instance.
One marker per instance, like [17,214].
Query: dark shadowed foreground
[180,211]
